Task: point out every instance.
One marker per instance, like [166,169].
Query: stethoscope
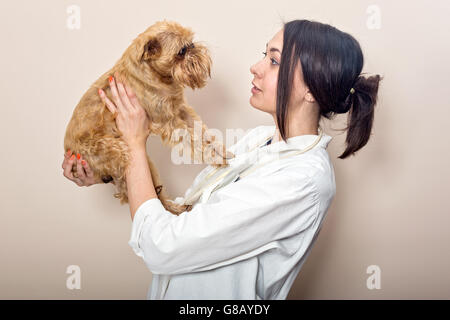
[247,169]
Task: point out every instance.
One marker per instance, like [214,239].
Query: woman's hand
[131,119]
[84,172]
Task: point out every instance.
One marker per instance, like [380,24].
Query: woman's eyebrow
[273,49]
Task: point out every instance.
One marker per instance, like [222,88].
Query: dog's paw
[216,154]
[229,155]
[213,159]
[107,179]
[174,208]
[219,165]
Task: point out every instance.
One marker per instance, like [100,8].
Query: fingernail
[83,162]
[110,79]
[72,157]
[100,91]
[78,156]
[68,152]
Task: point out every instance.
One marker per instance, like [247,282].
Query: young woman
[252,227]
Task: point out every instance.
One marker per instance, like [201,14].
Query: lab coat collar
[292,143]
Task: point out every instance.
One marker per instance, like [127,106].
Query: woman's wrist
[139,180]
[137,146]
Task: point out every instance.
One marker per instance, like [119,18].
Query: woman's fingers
[68,171]
[68,167]
[66,158]
[131,95]
[116,96]
[87,169]
[80,171]
[78,182]
[109,104]
[124,96]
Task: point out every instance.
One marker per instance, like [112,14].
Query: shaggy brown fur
[158,64]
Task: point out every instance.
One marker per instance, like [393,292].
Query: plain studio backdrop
[388,224]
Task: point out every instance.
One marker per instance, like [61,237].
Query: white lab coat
[247,239]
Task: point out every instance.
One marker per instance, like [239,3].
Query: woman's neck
[302,121]
[293,132]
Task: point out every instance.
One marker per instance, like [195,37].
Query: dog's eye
[182,51]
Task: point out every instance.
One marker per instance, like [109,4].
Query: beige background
[391,208]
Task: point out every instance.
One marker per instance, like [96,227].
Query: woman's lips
[255,90]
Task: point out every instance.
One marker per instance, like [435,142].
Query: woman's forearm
[139,179]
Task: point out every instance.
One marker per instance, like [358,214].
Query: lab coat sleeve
[247,218]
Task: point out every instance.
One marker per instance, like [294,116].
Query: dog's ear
[152,49]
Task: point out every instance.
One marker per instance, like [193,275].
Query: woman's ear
[151,50]
[309,97]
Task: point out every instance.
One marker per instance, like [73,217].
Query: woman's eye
[274,62]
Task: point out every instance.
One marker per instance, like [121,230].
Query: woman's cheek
[274,102]
[273,93]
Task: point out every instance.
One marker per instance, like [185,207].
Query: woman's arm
[133,123]
[247,218]
[139,179]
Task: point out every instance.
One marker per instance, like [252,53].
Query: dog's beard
[194,69]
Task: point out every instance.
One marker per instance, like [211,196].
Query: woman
[247,236]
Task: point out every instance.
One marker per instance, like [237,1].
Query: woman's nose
[254,69]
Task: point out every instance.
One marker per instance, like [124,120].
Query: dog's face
[167,49]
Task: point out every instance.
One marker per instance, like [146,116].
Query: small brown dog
[158,64]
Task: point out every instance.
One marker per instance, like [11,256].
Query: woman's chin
[253,102]
[256,106]
[261,107]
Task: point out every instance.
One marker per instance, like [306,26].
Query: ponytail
[361,116]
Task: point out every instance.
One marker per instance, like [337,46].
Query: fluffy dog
[158,65]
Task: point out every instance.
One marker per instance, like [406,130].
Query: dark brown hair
[331,62]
